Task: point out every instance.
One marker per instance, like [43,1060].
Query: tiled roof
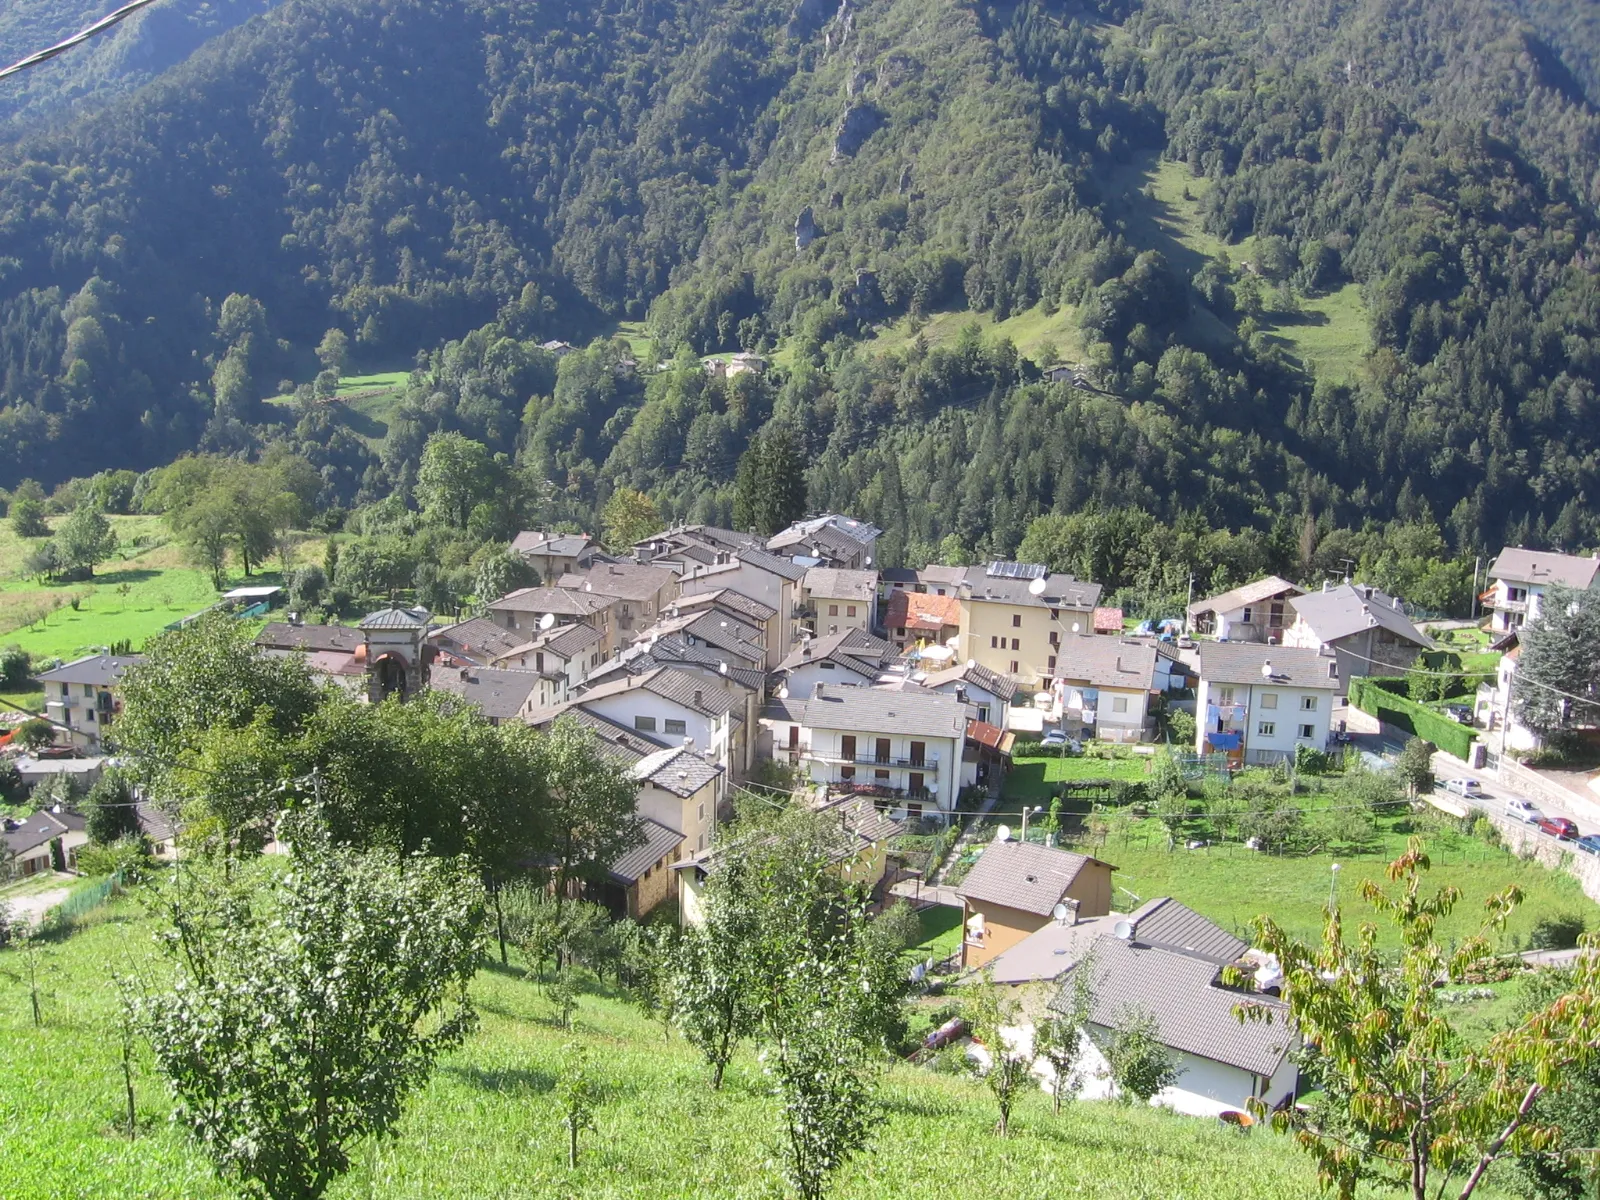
[552,600]
[735,602]
[694,692]
[832,583]
[1168,925]
[1347,609]
[479,640]
[555,545]
[1105,662]
[1242,662]
[1516,565]
[1269,588]
[153,823]
[990,736]
[625,581]
[617,742]
[1024,876]
[852,647]
[677,769]
[101,670]
[676,649]
[279,635]
[975,674]
[1108,620]
[861,818]
[29,833]
[659,841]
[915,714]
[921,611]
[773,565]
[858,531]
[1178,991]
[499,694]
[1060,591]
[397,618]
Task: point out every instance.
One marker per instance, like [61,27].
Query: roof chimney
[817,692]
[466,674]
[699,697]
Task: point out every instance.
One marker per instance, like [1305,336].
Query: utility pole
[1477,561]
[1187,605]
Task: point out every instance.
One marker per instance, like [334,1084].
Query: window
[88,715]
[1013,666]
[1119,704]
[994,644]
[1333,669]
[66,690]
[645,724]
[1269,699]
[1267,728]
[881,776]
[1050,663]
[702,815]
[850,610]
[1275,615]
[1308,704]
[1055,638]
[1247,615]
[1016,643]
[983,713]
[679,727]
[1307,731]
[833,610]
[901,632]
[1225,695]
[701,844]
[847,773]
[1016,620]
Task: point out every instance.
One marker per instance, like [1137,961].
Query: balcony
[928,765]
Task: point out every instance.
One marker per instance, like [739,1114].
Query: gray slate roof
[832,583]
[1168,925]
[280,635]
[617,742]
[677,769]
[734,602]
[479,640]
[1002,687]
[29,833]
[852,647]
[397,618]
[1269,588]
[1352,608]
[99,670]
[498,693]
[625,581]
[552,600]
[1024,875]
[1107,662]
[1242,662]
[659,841]
[913,714]
[1060,591]
[1194,1016]
[1516,565]
[557,545]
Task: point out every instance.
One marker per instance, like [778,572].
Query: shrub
[1311,762]
[1559,931]
[1181,728]
[16,667]
[130,855]
[1487,831]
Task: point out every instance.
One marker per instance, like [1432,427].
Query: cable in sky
[77,39]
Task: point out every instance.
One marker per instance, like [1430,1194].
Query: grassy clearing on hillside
[1032,780]
[1330,334]
[1233,885]
[1027,330]
[487,1125]
[366,402]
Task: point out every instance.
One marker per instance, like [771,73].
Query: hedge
[1378,698]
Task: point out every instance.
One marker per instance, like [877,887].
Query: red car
[1560,827]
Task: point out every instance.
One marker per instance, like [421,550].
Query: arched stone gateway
[397,653]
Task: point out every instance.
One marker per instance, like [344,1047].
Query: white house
[1523,577]
[849,658]
[1367,631]
[1259,704]
[904,745]
[837,599]
[989,693]
[82,694]
[1109,683]
[1255,612]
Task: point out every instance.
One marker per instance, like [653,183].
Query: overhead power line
[77,39]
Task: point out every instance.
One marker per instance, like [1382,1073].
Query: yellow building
[1015,616]
[1014,889]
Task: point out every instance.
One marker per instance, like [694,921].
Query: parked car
[1055,738]
[1468,789]
[1523,810]
[1590,843]
[1460,713]
[1559,827]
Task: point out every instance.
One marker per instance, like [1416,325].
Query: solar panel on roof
[1015,570]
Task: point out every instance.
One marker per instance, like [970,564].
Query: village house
[476,642]
[1109,684]
[555,554]
[680,789]
[81,695]
[1014,616]
[916,618]
[46,841]
[751,614]
[1015,888]
[1255,612]
[1367,631]
[850,658]
[903,747]
[835,599]
[526,611]
[708,559]
[1107,622]
[1259,704]
[989,694]
[500,695]
[641,592]
[931,580]
[1522,578]
[829,540]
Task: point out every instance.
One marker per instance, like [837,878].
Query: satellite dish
[1036,587]
[1123,930]
[547,621]
[1266,669]
[1060,913]
[1003,834]
[1076,628]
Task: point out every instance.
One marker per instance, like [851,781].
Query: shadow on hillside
[361,424]
[514,1081]
[1314,317]
[130,576]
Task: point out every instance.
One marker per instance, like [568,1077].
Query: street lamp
[1333,889]
[1037,808]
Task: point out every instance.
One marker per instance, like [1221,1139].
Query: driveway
[29,901]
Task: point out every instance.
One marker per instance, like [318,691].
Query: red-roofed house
[914,617]
[1108,620]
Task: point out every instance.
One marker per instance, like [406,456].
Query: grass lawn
[366,402]
[941,932]
[26,701]
[1032,780]
[1232,885]
[487,1125]
[1028,330]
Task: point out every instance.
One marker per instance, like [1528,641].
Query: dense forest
[452,186]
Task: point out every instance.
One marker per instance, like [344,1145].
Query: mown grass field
[487,1125]
[1032,779]
[1029,331]
[366,402]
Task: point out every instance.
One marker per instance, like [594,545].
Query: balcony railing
[929,763]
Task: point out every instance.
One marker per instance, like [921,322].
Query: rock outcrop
[805,228]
